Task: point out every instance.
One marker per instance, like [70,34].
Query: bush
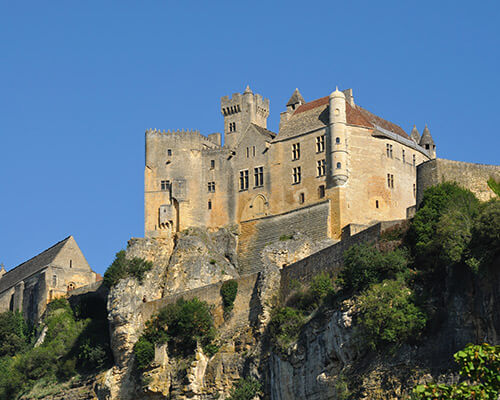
[321,286]
[485,242]
[245,389]
[122,268]
[388,314]
[13,333]
[365,265]
[285,326]
[479,366]
[182,325]
[144,352]
[439,200]
[228,291]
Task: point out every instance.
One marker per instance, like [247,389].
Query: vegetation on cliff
[228,291]
[73,343]
[123,267]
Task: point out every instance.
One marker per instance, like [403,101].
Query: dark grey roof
[32,266]
[264,131]
[296,98]
[415,135]
[426,137]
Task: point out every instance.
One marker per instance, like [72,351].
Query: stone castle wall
[468,175]
[255,234]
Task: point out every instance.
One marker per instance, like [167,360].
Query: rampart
[468,175]
[255,234]
[330,259]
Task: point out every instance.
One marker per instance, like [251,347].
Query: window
[232,126]
[321,191]
[209,204]
[403,156]
[258,174]
[339,165]
[376,203]
[71,286]
[295,151]
[54,280]
[169,152]
[211,187]
[248,152]
[337,140]
[320,144]
[414,190]
[302,198]
[212,164]
[427,147]
[388,148]
[414,160]
[244,179]
[390,181]
[296,175]
[253,151]
[320,167]
[71,263]
[165,185]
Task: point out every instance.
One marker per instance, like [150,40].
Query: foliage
[71,345]
[13,333]
[123,268]
[365,265]
[445,207]
[245,389]
[494,185]
[388,314]
[321,286]
[286,237]
[342,388]
[144,352]
[479,367]
[228,291]
[485,243]
[182,325]
[285,326]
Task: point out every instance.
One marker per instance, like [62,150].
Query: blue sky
[81,81]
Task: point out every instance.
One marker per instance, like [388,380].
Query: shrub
[485,242]
[286,237]
[182,325]
[321,286]
[228,291]
[494,185]
[144,352]
[13,333]
[438,200]
[479,366]
[245,389]
[122,268]
[388,314]
[365,265]
[285,326]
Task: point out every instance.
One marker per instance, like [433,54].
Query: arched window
[339,165]
[337,140]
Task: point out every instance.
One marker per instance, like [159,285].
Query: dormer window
[427,147]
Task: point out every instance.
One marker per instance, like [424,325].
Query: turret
[414,135]
[241,110]
[2,270]
[338,138]
[296,100]
[427,142]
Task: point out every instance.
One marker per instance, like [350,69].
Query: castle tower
[296,100]
[241,110]
[415,135]
[427,142]
[338,138]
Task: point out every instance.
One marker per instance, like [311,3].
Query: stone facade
[49,275]
[468,175]
[327,150]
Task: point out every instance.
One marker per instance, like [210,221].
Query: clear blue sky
[80,81]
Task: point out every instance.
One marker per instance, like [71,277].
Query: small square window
[209,204]
[211,187]
[321,191]
[169,152]
[212,164]
[165,185]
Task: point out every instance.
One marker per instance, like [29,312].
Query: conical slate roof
[415,135]
[296,98]
[426,137]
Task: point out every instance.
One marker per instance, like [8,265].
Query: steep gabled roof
[315,115]
[295,98]
[32,266]
[265,132]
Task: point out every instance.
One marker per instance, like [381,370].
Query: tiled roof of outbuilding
[314,115]
[31,266]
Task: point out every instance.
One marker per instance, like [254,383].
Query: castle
[329,155]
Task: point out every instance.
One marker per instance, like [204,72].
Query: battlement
[184,134]
[237,102]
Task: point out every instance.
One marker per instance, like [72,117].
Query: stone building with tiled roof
[329,154]
[49,275]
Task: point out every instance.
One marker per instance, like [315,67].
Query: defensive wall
[468,175]
[246,305]
[255,234]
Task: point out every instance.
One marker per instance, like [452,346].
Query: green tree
[388,314]
[485,243]
[285,326]
[245,389]
[13,333]
[123,267]
[494,185]
[228,291]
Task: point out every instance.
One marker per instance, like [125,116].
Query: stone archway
[256,208]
